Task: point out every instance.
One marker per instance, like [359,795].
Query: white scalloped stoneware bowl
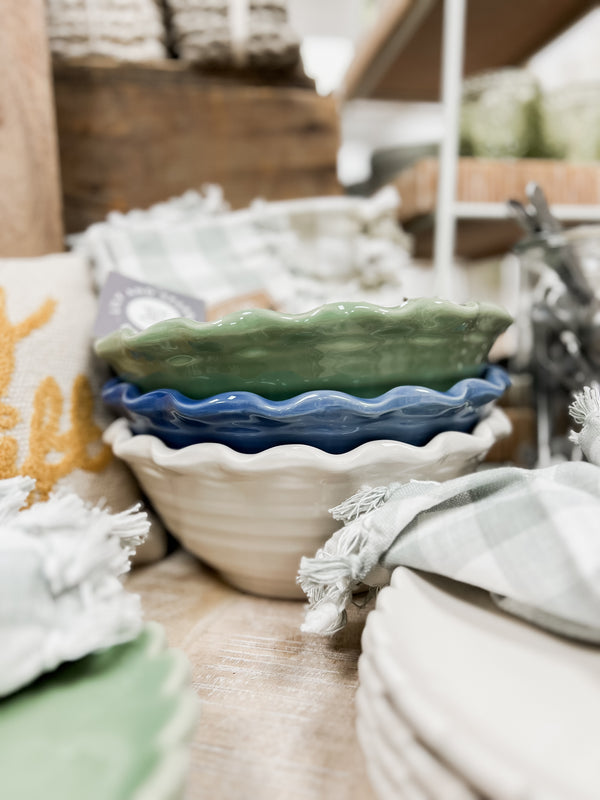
[253,516]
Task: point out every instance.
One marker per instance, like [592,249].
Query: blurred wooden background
[30,199]
[135,134]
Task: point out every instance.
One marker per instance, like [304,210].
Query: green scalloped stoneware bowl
[359,348]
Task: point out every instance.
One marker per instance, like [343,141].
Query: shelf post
[453,35]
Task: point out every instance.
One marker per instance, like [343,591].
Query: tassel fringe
[329,578]
[13,494]
[366,499]
[585,411]
[62,560]
[346,559]
[585,403]
[81,541]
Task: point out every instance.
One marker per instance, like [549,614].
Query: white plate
[389,775]
[394,756]
[514,709]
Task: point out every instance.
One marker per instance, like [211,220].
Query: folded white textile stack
[129,30]
[60,593]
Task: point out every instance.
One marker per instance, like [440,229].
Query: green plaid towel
[529,537]
[301,252]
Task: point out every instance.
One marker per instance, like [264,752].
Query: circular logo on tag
[145,311]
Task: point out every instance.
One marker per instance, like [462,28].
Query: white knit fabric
[233,33]
[60,593]
[130,30]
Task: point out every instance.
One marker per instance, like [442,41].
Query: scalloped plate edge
[167,780]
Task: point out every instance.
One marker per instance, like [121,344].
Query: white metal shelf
[489,211]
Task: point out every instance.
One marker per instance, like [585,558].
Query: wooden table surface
[277,717]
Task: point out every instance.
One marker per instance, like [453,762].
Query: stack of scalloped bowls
[244,432]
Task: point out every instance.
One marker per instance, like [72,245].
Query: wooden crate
[488,180]
[131,135]
[492,182]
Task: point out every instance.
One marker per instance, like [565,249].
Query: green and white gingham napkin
[529,537]
[300,252]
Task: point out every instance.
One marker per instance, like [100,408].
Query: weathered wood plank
[30,207]
[277,706]
[488,180]
[133,135]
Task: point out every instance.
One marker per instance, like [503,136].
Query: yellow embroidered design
[10,335]
[52,454]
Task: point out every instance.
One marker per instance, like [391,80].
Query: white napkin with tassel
[60,593]
[529,537]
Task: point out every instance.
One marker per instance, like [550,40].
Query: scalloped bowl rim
[470,311]
[490,385]
[146,448]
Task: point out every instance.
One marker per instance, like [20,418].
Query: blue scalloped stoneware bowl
[332,421]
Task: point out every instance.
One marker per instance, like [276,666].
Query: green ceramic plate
[113,726]
[357,348]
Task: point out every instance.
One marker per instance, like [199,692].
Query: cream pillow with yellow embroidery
[51,415]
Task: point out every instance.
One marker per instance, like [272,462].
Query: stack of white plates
[459,700]
[128,30]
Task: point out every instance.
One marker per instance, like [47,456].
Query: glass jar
[558,325]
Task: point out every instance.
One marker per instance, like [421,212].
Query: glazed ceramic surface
[253,517]
[115,724]
[333,421]
[513,710]
[397,761]
[358,348]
